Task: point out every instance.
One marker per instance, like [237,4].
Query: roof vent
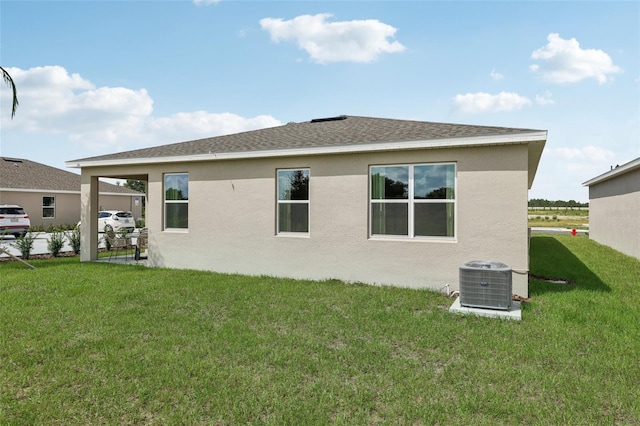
[321,120]
[12,160]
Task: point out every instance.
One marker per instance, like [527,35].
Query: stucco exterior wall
[67,208]
[232,219]
[614,213]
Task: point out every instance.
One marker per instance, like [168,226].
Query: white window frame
[52,207]
[279,202]
[165,201]
[410,201]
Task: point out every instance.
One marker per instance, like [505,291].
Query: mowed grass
[89,343]
[565,218]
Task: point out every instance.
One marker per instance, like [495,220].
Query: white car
[13,220]
[115,220]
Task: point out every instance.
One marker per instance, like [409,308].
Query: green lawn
[565,218]
[97,343]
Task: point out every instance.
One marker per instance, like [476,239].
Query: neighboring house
[379,201]
[614,208]
[51,196]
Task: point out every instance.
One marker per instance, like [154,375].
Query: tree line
[543,203]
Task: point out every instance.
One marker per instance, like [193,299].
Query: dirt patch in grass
[559,281]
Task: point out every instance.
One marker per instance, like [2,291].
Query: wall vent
[486,284]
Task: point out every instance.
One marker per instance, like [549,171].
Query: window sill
[176,231]
[293,235]
[397,238]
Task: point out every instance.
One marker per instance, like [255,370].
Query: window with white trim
[293,201]
[176,201]
[416,200]
[48,207]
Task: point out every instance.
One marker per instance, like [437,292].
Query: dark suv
[13,220]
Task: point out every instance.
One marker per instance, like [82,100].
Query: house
[51,196]
[614,208]
[372,200]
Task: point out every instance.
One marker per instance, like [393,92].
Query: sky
[98,77]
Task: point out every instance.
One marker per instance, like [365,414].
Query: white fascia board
[47,191]
[631,165]
[39,191]
[120,194]
[510,139]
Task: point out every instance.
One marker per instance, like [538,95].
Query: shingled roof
[19,173]
[341,131]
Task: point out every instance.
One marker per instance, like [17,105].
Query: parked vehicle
[13,220]
[115,220]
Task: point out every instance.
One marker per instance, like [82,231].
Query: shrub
[74,239]
[55,243]
[107,243]
[24,243]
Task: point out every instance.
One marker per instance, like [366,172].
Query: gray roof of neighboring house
[320,133]
[19,173]
[614,172]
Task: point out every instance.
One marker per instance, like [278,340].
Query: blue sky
[96,77]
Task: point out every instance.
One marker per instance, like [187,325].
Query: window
[293,201]
[176,201]
[413,200]
[48,207]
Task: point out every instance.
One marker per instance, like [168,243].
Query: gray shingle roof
[340,131]
[19,173]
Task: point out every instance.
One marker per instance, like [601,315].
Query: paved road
[540,230]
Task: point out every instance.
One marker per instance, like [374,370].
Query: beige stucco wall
[67,209]
[232,215]
[614,213]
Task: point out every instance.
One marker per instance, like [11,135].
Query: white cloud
[588,153]
[205,2]
[344,41]
[52,101]
[563,61]
[496,75]
[191,125]
[545,99]
[485,102]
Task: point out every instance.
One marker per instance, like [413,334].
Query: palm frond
[7,79]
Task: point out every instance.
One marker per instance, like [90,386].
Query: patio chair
[142,243]
[117,243]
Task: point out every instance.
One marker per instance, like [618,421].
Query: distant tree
[394,188]
[136,185]
[299,186]
[7,79]
[174,194]
[544,204]
[440,193]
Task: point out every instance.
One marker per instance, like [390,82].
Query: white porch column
[88,217]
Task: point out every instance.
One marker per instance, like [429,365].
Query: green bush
[73,236]
[24,243]
[107,243]
[55,243]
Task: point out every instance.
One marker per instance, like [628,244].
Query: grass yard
[93,343]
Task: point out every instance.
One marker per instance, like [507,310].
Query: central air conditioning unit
[485,285]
